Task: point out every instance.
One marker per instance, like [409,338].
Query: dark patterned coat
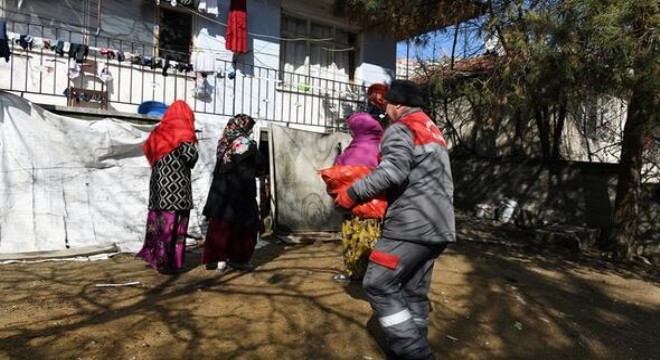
[170,187]
[233,193]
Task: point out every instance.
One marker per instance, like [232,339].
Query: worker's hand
[343,199]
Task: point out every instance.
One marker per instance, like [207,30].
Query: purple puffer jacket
[365,146]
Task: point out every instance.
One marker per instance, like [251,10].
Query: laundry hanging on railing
[204,60]
[175,2]
[79,52]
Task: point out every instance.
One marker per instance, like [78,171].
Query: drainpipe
[98,18]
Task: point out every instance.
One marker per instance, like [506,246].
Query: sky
[440,43]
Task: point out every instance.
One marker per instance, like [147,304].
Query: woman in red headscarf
[172,153]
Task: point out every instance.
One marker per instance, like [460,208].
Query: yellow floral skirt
[359,236]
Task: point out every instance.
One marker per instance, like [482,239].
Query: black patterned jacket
[170,187]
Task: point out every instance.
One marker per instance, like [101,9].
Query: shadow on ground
[489,302]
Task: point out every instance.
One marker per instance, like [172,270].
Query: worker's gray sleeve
[395,164]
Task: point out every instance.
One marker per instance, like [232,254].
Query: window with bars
[310,48]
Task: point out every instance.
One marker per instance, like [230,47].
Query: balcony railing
[269,94]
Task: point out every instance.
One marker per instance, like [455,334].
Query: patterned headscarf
[235,139]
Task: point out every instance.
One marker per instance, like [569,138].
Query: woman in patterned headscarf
[171,152]
[231,206]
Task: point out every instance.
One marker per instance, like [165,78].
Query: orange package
[338,177]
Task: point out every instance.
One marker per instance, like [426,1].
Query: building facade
[295,62]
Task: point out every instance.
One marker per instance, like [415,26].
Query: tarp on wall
[302,204]
[70,183]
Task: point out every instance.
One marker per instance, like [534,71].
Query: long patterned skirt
[359,236]
[165,243]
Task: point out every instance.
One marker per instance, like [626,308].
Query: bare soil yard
[490,301]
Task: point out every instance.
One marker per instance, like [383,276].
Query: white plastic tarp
[68,183]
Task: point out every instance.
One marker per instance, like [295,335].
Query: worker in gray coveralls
[415,174]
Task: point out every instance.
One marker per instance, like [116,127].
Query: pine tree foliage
[555,53]
[405,19]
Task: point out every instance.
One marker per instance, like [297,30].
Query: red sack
[338,177]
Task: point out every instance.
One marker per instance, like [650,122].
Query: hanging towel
[4,41]
[203,58]
[204,61]
[236,35]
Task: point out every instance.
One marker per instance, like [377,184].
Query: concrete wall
[566,193]
[592,133]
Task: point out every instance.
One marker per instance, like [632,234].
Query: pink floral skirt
[165,242]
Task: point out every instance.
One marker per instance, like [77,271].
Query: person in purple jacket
[364,150]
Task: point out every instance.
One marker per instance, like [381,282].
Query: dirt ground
[490,302]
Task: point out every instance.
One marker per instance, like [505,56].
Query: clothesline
[52,19]
[40,43]
[49,44]
[257,34]
[197,49]
[28,42]
[79,53]
[212,9]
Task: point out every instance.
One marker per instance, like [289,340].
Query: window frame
[352,41]
[181,9]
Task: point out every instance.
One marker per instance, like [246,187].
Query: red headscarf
[376,93]
[176,126]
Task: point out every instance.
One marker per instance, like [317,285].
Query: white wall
[120,20]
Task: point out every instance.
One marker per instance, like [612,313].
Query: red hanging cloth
[236,35]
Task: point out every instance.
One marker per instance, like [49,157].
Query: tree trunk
[518,143]
[542,123]
[629,185]
[559,129]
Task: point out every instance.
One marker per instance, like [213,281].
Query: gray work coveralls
[415,174]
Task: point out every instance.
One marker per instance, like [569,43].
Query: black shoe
[241,266]
[170,271]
